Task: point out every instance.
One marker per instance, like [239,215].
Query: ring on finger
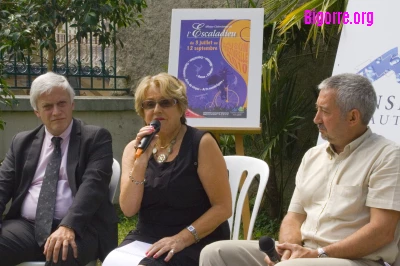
[172,251]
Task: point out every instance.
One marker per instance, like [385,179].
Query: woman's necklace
[162,157]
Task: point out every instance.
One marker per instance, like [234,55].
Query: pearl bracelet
[135,181]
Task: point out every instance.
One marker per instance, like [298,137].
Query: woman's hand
[143,132]
[130,149]
[172,245]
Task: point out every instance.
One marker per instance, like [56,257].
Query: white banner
[371,48]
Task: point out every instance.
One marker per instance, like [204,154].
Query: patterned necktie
[47,196]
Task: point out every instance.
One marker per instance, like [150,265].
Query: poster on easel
[217,53]
[369,46]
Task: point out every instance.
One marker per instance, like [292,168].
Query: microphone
[144,143]
[267,245]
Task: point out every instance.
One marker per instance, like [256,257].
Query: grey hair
[353,91]
[45,83]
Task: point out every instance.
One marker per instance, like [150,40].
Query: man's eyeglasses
[164,103]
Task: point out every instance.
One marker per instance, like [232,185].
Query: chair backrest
[116,173]
[237,166]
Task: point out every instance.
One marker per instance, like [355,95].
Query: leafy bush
[125,224]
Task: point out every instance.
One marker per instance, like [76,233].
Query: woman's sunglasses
[164,103]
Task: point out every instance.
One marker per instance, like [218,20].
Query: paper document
[130,254]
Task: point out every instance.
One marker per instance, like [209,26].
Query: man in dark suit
[84,225]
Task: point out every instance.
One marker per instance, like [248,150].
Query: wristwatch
[194,233]
[322,253]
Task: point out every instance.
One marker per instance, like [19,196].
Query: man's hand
[293,251]
[284,254]
[62,237]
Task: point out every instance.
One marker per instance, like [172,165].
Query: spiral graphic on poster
[198,67]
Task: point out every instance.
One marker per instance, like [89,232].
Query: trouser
[18,244]
[247,253]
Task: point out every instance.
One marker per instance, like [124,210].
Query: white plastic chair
[116,173]
[237,165]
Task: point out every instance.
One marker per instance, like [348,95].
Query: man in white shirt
[346,204]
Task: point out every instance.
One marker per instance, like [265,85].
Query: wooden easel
[238,133]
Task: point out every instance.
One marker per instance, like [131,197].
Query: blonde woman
[178,186]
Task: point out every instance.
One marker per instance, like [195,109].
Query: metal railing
[84,62]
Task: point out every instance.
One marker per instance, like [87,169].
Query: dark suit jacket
[89,169]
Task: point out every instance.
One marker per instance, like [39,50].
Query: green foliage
[6,98]
[283,116]
[32,22]
[242,3]
[101,17]
[17,24]
[7,38]
[283,111]
[227,144]
[125,224]
[266,226]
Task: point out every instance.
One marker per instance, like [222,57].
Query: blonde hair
[170,87]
